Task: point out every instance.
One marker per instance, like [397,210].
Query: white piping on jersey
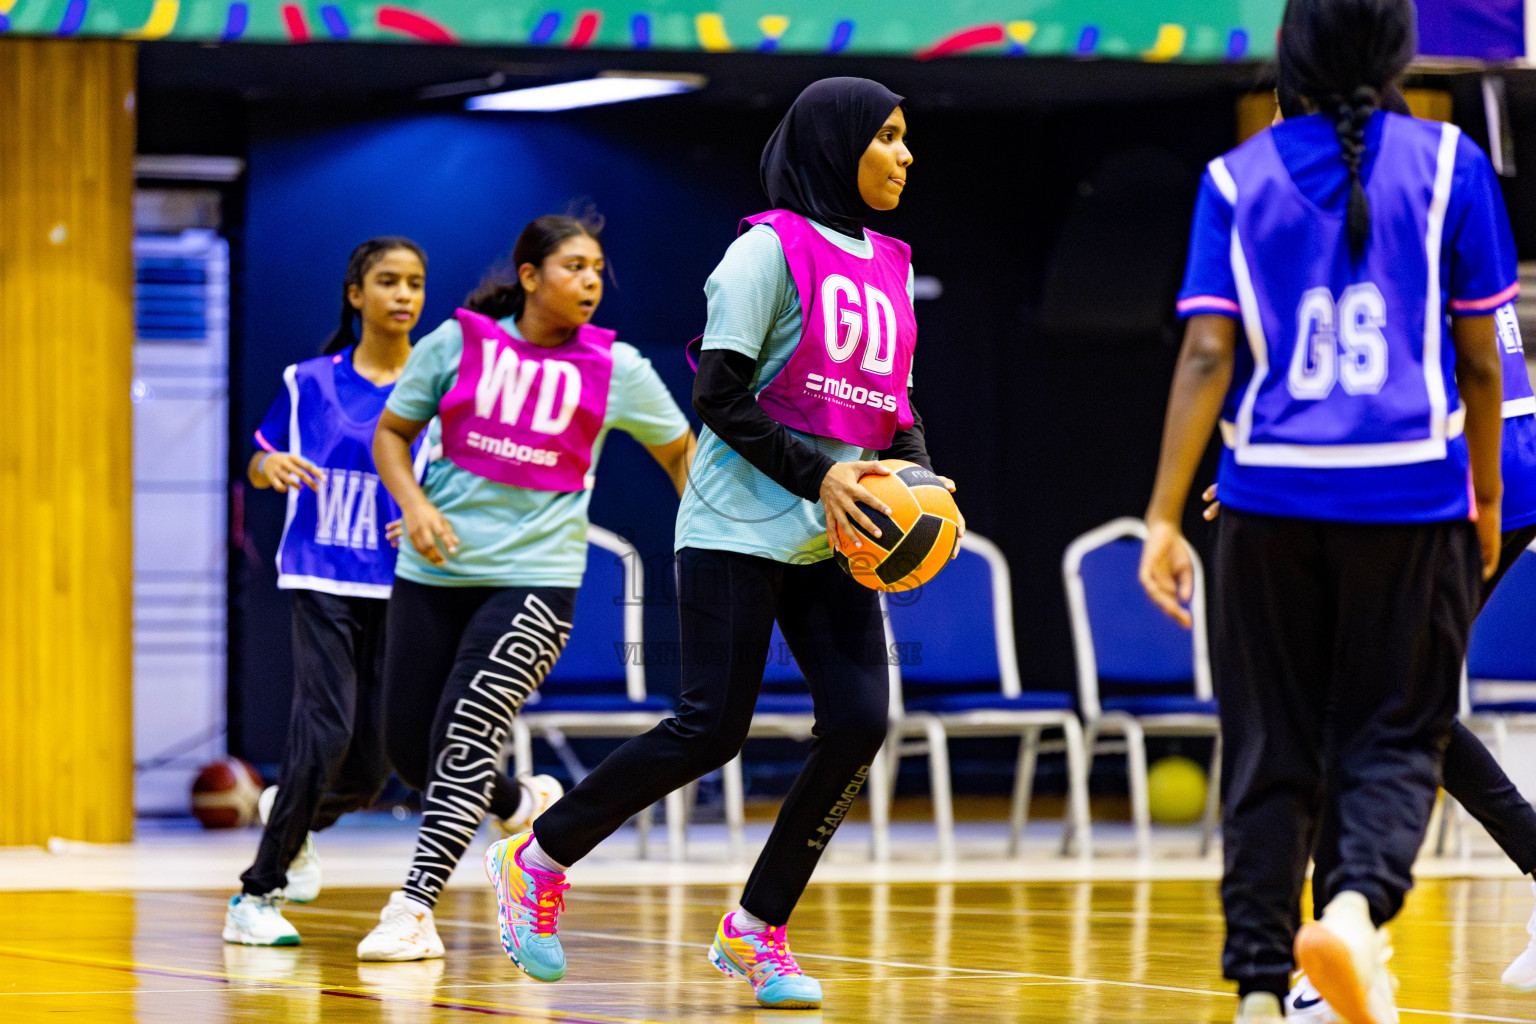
[291,381]
[1238,436]
[339,588]
[1513,407]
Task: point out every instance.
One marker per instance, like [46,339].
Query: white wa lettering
[504,376]
[342,494]
[365,532]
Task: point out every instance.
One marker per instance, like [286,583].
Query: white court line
[939,970]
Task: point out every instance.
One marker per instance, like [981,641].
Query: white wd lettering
[880,346]
[343,493]
[505,377]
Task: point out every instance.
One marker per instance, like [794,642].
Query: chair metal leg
[1079,820]
[1212,799]
[938,774]
[881,784]
[643,822]
[1136,766]
[1090,741]
[522,746]
[735,811]
[1023,787]
[677,823]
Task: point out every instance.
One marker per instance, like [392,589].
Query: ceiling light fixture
[607,87]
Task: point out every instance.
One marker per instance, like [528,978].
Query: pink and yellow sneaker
[530,904]
[764,961]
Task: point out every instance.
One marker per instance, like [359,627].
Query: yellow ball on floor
[1176,791]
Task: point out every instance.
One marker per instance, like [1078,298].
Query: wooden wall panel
[66,440]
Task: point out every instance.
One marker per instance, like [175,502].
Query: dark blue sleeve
[272,435]
[1479,246]
[1209,286]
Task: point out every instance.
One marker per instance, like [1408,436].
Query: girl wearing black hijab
[796,405]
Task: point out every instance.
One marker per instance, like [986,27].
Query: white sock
[524,803]
[534,857]
[743,921]
[424,906]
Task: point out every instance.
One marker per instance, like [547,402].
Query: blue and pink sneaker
[530,904]
[764,961]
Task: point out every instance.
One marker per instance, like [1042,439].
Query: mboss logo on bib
[847,319]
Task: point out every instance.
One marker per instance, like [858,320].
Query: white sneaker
[1258,1007]
[303,884]
[1521,974]
[257,921]
[1343,954]
[1303,1004]
[539,792]
[405,931]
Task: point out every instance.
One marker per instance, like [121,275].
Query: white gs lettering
[1322,328]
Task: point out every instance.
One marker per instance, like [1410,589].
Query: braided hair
[1342,55]
[362,260]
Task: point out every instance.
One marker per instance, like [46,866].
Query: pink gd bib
[527,416]
[847,379]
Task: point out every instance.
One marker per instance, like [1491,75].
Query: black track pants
[462,660]
[1337,652]
[727,603]
[334,761]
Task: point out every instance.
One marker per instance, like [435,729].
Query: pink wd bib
[527,416]
[847,378]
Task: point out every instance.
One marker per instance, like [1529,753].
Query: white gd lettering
[880,339]
[1323,328]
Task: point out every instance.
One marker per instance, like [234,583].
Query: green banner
[1158,30]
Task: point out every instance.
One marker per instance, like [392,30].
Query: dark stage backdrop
[1041,370]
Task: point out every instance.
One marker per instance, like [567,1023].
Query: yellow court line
[537,1014]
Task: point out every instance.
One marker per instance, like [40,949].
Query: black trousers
[727,603]
[1337,654]
[334,762]
[1471,775]
[461,662]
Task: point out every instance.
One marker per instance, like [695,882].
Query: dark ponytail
[1342,55]
[501,293]
[362,260]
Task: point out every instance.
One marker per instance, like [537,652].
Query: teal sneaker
[258,921]
[530,904]
[763,960]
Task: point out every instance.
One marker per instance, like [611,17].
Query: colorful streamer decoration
[773,27]
[842,35]
[640,31]
[1088,41]
[1168,44]
[1237,45]
[6,6]
[162,19]
[587,24]
[417,26]
[236,21]
[335,24]
[1020,35]
[295,23]
[966,39]
[545,30]
[74,17]
[711,30]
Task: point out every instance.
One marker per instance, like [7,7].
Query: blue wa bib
[333,540]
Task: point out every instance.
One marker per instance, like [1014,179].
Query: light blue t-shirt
[730,505]
[512,536]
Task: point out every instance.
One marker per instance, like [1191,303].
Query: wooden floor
[1023,951]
